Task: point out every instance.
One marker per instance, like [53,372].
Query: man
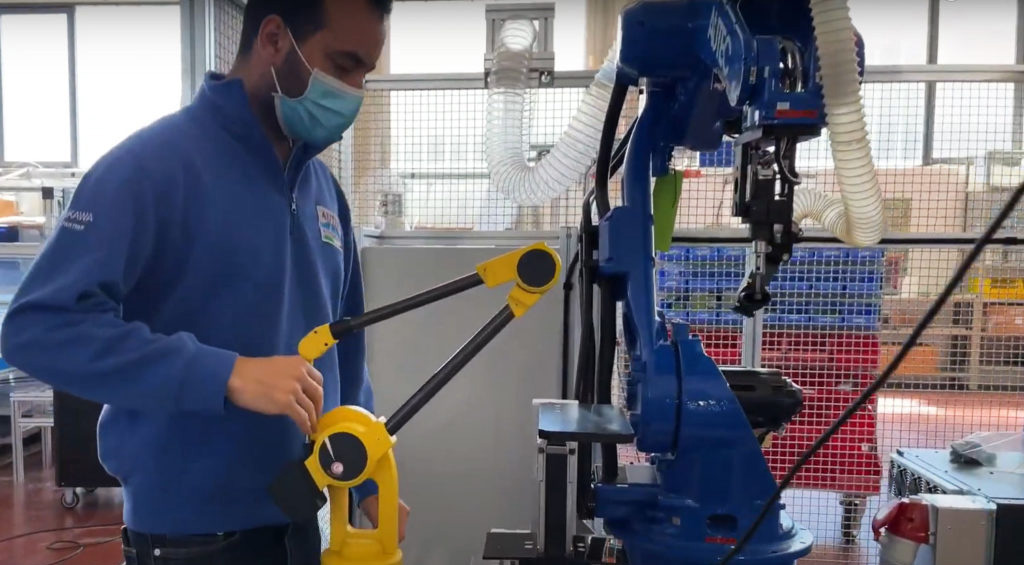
[198,254]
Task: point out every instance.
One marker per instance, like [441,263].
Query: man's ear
[272,41]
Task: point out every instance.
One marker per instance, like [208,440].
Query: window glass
[129,72]
[36,96]
[977,32]
[451,36]
[895,32]
[972,119]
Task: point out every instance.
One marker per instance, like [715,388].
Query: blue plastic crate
[869,254]
[730,320]
[802,255]
[703,318]
[861,323]
[830,254]
[801,275]
[10,234]
[862,288]
[787,286]
[786,319]
[734,254]
[722,158]
[729,286]
[703,254]
[701,285]
[830,287]
[716,273]
[866,278]
[676,255]
[864,309]
[830,321]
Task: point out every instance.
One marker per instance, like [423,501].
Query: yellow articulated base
[330,557]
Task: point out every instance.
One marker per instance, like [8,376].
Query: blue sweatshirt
[187,245]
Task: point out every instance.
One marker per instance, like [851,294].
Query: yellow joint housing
[349,545]
[534,269]
[317,343]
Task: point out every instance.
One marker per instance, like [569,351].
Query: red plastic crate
[724,346]
[849,463]
[856,352]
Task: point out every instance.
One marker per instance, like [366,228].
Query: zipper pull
[295,204]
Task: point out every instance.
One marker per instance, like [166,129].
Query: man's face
[347,48]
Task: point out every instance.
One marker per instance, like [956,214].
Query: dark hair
[303,17]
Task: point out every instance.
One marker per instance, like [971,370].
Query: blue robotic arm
[709,68]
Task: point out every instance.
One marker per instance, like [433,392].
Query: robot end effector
[784,108]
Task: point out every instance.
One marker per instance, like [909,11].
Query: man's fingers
[307,407]
[314,374]
[315,393]
[301,419]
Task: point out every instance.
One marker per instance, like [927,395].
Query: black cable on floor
[60,545]
[882,379]
[78,546]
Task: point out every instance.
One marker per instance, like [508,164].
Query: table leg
[47,441]
[17,447]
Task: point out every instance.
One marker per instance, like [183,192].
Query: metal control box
[929,472]
[963,530]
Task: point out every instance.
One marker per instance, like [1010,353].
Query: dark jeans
[295,544]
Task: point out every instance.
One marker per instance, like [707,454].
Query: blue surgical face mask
[321,115]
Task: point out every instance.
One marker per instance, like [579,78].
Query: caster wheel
[70,500]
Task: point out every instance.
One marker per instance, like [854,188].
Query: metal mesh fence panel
[428,145]
[840,314]
[227,28]
[425,147]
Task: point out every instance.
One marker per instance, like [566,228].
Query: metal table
[31,408]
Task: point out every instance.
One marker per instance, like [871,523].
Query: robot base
[712,478]
[654,541]
[330,557]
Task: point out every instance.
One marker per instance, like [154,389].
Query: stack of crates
[697,286]
[829,289]
[822,331]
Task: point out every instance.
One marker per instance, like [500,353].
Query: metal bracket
[542,65]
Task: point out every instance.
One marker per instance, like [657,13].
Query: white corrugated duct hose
[856,217]
[572,157]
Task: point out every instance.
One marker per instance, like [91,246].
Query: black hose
[605,368]
[619,158]
[585,366]
[882,379]
[604,152]
[792,177]
[584,388]
[567,288]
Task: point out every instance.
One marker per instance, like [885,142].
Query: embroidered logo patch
[330,226]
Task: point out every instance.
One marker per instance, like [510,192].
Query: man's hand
[370,508]
[279,386]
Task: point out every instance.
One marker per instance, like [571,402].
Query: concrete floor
[905,419]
